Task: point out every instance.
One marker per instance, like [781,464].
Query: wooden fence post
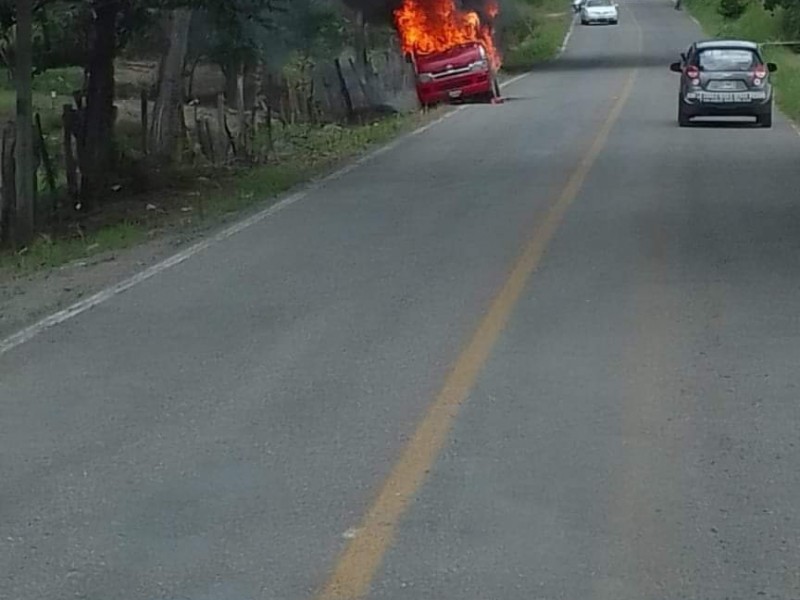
[145,121]
[25,211]
[47,163]
[8,191]
[348,100]
[226,137]
[69,124]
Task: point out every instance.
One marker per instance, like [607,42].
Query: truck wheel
[493,93]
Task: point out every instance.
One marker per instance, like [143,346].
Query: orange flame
[430,26]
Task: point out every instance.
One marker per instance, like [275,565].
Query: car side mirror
[409,58]
[675,67]
[772,67]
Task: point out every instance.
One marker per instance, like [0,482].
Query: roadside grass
[201,199]
[537,33]
[48,107]
[787,81]
[62,81]
[48,253]
[51,90]
[759,25]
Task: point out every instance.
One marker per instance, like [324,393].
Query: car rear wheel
[684,120]
[765,120]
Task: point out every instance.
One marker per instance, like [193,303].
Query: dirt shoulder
[26,299]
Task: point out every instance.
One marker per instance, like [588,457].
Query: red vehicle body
[459,73]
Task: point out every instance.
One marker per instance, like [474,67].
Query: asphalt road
[305,410]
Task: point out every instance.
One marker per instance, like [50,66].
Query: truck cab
[458,73]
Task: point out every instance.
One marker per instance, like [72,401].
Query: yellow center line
[363,555]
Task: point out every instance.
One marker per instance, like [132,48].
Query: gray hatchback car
[724,78]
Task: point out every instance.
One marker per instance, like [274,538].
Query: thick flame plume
[429,26]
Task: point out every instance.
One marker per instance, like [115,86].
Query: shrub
[732,9]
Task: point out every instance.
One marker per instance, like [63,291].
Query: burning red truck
[452,49]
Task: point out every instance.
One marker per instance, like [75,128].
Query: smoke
[380,11]
[375,11]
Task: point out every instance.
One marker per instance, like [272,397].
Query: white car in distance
[599,11]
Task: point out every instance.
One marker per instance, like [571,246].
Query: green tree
[732,9]
[790,16]
[108,26]
[240,41]
[237,40]
[167,122]
[23,226]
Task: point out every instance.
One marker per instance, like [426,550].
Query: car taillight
[693,73]
[760,72]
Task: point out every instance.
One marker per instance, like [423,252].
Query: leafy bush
[790,21]
[732,9]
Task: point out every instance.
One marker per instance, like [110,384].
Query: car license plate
[455,93]
[730,97]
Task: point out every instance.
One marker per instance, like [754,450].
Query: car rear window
[598,3]
[727,59]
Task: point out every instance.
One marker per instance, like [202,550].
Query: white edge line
[691,16]
[514,79]
[28,333]
[561,51]
[567,37]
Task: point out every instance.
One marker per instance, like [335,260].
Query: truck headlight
[425,77]
[481,65]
